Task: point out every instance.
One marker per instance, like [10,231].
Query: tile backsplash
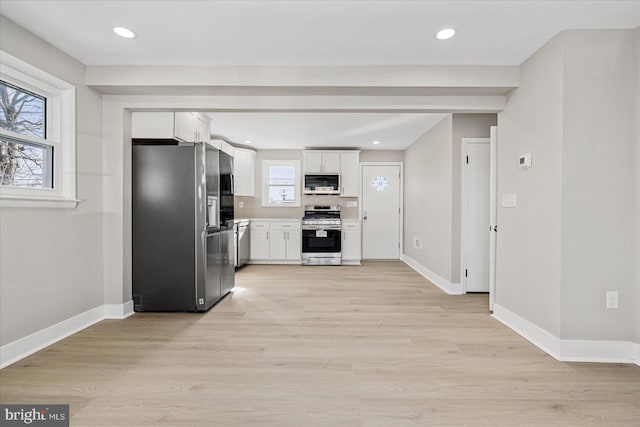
[253,209]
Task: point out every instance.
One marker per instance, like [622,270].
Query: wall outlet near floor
[241,204]
[353,204]
[417,243]
[612,299]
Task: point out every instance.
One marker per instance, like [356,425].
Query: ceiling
[306,32]
[323,130]
[310,32]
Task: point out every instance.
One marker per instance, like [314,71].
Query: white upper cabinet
[331,162]
[349,173]
[182,126]
[321,162]
[186,127]
[203,129]
[346,163]
[244,172]
[312,162]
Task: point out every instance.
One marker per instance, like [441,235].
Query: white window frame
[60,134]
[266,164]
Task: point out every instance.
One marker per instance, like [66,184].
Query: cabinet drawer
[259,225]
[350,225]
[285,225]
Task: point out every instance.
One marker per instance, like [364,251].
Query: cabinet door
[294,244]
[349,173]
[244,171]
[204,133]
[351,241]
[259,240]
[278,244]
[313,162]
[330,162]
[186,126]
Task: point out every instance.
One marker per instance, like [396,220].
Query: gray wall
[528,252]
[574,233]
[427,198]
[599,210]
[51,264]
[464,126]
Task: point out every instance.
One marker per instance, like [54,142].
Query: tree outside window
[25,161]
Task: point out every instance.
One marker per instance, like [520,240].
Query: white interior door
[380,211]
[476,230]
[493,214]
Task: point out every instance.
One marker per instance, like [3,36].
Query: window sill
[36,202]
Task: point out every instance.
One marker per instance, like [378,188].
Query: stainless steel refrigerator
[182,226]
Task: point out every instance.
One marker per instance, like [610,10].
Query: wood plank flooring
[375,345]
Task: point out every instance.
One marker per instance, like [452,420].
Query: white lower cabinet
[259,240]
[285,240]
[275,241]
[351,242]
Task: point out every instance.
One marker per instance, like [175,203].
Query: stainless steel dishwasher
[242,242]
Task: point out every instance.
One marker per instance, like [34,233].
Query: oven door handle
[315,227]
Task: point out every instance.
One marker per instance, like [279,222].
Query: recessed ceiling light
[247,142]
[124,32]
[445,33]
[376,142]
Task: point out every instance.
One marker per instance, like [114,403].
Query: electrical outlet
[241,204]
[612,299]
[353,204]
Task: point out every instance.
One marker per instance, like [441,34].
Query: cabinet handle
[267,235]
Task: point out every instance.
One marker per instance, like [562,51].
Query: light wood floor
[375,345]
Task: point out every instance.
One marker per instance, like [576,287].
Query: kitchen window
[281,183]
[37,137]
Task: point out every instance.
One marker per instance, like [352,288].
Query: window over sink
[280,183]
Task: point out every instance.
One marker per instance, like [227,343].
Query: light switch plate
[509,200]
[612,299]
[241,204]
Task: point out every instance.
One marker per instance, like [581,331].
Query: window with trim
[281,183]
[37,137]
[26,159]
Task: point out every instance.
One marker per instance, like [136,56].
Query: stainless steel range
[321,235]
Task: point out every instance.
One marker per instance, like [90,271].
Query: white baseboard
[118,311]
[567,350]
[23,347]
[439,281]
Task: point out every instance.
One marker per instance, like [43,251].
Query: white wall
[574,234]
[464,126]
[428,198]
[51,264]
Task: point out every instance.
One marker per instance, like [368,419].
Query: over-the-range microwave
[322,183]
